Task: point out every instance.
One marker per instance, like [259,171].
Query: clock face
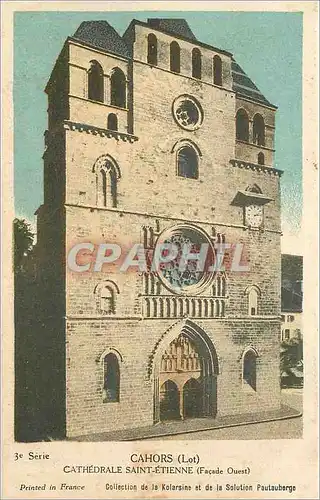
[188,278]
[254,215]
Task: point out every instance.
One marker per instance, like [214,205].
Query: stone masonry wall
[135,340]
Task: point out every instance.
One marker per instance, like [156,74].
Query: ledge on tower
[102,35]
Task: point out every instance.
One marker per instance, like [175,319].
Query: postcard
[160,250]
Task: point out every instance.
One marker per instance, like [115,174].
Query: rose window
[187,112]
[183,275]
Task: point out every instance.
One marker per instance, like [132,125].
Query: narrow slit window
[196,63]
[217,70]
[250,370]
[260,159]
[253,302]
[152,49]
[258,130]
[111,386]
[175,57]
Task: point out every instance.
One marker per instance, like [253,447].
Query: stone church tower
[157,137]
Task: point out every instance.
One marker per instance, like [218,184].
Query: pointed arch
[118,87]
[205,362]
[95,82]
[254,293]
[197,335]
[107,175]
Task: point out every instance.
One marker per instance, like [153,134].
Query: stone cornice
[102,132]
[255,167]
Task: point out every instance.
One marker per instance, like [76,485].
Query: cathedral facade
[157,137]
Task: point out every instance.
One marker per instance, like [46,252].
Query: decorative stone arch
[247,349]
[188,157]
[185,142]
[102,162]
[113,288]
[107,176]
[220,284]
[250,287]
[110,350]
[209,362]
[253,292]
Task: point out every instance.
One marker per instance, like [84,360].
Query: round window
[187,112]
[187,256]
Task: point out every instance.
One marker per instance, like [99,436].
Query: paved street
[281,429]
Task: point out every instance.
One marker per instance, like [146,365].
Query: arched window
[249,374]
[253,296]
[107,305]
[258,130]
[188,163]
[112,122]
[217,70]
[152,49]
[108,184]
[175,57]
[107,175]
[118,88]
[260,159]
[196,63]
[242,126]
[111,378]
[95,82]
[105,294]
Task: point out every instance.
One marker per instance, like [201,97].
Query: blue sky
[268,46]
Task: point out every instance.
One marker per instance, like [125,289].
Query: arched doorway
[189,361]
[192,398]
[169,401]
